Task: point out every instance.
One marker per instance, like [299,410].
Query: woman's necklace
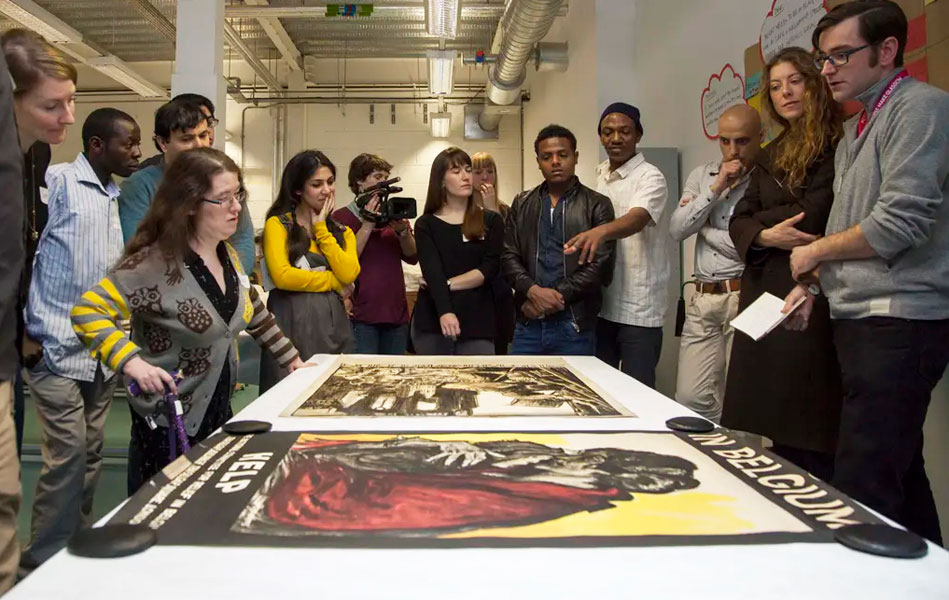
[304,222]
[34,234]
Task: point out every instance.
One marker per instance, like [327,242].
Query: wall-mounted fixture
[441,124]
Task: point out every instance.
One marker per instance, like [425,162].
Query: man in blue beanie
[629,330]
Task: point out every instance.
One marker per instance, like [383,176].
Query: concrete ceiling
[396,29]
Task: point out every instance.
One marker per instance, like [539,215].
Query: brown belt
[719,287]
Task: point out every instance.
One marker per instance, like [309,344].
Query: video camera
[390,209]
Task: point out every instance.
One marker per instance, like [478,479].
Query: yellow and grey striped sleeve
[263,327]
[95,320]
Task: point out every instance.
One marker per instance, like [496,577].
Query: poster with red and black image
[503,489]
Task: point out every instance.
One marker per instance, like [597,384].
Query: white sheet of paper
[763,315]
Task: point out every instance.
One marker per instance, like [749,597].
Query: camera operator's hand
[371,207]
[400,225]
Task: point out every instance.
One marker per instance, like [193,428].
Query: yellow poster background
[721,505]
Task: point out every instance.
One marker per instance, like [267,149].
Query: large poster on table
[453,386]
[485,489]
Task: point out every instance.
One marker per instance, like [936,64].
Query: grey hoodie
[894,181]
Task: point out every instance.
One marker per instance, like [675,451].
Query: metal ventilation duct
[524,24]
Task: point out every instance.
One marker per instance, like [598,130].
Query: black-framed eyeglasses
[237,198]
[837,59]
[212,121]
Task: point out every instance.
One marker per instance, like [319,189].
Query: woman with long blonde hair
[786,386]
[44,106]
[484,184]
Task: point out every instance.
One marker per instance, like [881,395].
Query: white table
[797,570]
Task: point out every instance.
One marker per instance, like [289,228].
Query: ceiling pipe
[524,24]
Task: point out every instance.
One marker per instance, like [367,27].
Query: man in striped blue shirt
[73,391]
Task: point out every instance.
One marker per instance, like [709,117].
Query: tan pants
[704,352]
[72,415]
[9,490]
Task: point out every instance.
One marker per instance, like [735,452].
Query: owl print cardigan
[174,326]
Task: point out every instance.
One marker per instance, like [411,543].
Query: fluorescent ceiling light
[441,17]
[441,124]
[33,16]
[118,70]
[441,64]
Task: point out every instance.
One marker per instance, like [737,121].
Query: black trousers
[632,349]
[889,368]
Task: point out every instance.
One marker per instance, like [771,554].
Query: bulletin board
[790,22]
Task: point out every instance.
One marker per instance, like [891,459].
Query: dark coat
[787,385]
[11,222]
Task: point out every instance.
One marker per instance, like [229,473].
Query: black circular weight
[690,424]
[246,427]
[882,540]
[112,541]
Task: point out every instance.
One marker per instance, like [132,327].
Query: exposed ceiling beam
[390,11]
[279,36]
[72,42]
[155,19]
[235,42]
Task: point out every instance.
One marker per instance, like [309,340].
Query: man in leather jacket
[557,297]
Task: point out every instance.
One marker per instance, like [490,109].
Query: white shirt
[638,294]
[708,215]
[81,242]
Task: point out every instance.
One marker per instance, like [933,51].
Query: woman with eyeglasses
[786,386]
[181,284]
[311,263]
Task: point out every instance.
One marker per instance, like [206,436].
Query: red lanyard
[884,98]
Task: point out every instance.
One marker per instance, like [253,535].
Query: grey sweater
[894,182]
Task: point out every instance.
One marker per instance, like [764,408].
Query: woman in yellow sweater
[311,261]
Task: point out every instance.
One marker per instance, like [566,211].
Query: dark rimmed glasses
[837,59]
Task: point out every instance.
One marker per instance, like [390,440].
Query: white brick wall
[344,132]
[341,132]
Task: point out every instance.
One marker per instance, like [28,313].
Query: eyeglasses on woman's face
[228,200]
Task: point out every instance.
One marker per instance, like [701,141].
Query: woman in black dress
[459,250]
[786,386]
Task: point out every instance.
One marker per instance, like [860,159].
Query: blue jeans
[382,338]
[554,337]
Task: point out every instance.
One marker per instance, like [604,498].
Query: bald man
[710,196]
